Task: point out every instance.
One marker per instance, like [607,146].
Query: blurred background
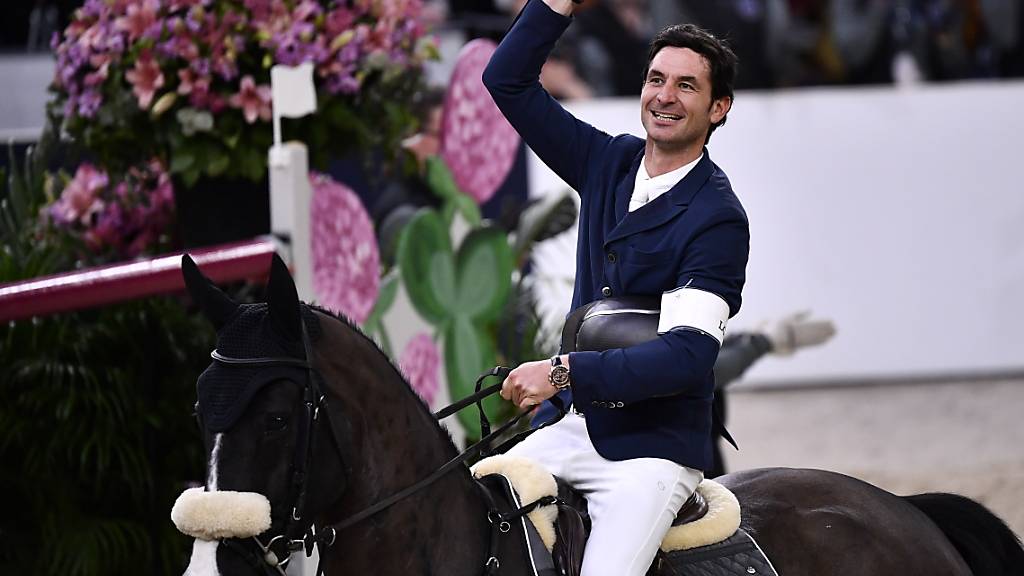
[874,143]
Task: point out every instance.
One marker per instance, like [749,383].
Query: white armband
[694,309]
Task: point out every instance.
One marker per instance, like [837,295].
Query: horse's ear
[283,300]
[215,304]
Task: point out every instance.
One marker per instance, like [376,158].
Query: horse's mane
[445,434]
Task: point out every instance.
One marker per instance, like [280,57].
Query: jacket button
[606,291]
[611,257]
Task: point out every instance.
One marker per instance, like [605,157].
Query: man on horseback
[657,218]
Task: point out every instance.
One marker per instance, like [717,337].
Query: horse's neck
[398,443]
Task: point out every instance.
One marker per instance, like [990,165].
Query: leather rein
[276,553]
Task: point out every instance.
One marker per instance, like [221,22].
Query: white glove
[796,331]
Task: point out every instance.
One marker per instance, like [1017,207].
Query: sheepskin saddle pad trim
[221,514]
[738,555]
[532,481]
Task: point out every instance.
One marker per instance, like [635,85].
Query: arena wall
[897,212]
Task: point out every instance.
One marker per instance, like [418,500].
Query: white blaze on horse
[314,439]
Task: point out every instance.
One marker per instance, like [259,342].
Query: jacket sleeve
[567,145]
[680,360]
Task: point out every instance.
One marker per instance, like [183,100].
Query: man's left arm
[691,330]
[709,283]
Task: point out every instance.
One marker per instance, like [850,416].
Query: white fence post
[290,199]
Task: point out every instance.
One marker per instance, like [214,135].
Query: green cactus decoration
[441,181]
[461,294]
[374,324]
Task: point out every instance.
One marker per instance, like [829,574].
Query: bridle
[276,553]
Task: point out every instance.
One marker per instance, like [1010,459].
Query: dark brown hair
[721,60]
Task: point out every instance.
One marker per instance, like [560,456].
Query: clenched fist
[528,384]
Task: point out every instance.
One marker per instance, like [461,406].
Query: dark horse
[326,441]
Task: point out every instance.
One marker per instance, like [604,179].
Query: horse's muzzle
[221,514]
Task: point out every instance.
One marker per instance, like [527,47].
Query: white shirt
[647,188]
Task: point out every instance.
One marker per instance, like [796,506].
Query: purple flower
[346,261]
[88,103]
[419,363]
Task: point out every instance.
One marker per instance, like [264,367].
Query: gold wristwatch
[559,374]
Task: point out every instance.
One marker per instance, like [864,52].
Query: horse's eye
[276,422]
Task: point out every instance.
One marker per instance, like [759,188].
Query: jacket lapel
[661,209]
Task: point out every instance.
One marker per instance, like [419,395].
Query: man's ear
[719,108]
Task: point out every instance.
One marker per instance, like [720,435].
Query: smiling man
[657,218]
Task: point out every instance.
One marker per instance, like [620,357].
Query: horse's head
[261,409]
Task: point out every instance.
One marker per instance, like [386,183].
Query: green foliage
[98,439]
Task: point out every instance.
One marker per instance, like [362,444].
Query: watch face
[559,377]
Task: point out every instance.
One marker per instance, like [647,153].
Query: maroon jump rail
[129,280]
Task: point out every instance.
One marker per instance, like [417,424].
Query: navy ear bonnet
[225,390]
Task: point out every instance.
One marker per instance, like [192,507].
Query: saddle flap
[520,549]
[739,555]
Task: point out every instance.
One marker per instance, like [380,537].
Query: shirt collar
[658,185]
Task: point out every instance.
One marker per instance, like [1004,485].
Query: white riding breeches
[632,503]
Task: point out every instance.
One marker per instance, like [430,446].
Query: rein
[277,552]
[473,450]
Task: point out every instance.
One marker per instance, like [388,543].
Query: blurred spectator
[958,39]
[613,43]
[861,32]
[743,23]
[1004,20]
[797,43]
[559,75]
[42,24]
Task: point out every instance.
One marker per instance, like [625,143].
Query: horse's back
[815,522]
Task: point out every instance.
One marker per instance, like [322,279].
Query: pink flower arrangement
[122,65]
[122,218]
[420,363]
[477,143]
[346,260]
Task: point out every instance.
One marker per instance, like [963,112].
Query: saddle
[710,517]
[611,323]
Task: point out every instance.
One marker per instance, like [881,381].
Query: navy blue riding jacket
[653,399]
